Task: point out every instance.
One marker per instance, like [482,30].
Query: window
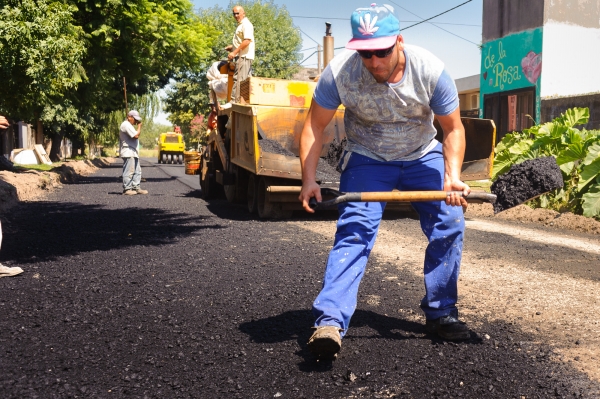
[474,101]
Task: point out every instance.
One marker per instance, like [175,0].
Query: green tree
[144,41]
[41,57]
[278,43]
[76,53]
[150,134]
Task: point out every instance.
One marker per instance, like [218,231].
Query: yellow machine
[170,148]
[237,161]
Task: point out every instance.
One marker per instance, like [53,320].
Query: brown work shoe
[129,192]
[325,341]
[140,191]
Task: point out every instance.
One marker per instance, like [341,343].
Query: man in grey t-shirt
[391,92]
[129,141]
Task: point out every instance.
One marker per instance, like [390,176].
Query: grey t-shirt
[128,145]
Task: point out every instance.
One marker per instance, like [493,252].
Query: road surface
[168,296]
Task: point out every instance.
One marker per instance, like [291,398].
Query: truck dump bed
[254,152]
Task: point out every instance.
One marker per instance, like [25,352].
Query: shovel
[396,196]
[523,182]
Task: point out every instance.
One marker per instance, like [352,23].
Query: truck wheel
[169,158]
[236,192]
[206,181]
[266,208]
[180,158]
[164,157]
[252,193]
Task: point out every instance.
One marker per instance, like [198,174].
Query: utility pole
[125,91]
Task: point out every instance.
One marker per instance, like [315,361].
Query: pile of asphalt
[525,181]
[334,152]
[274,147]
[325,172]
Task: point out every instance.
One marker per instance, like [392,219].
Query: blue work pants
[357,226]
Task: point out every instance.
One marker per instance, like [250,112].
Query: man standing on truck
[129,140]
[391,92]
[242,49]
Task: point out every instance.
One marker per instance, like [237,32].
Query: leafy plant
[577,153]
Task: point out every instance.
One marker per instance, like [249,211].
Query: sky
[453,37]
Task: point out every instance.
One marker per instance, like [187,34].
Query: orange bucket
[192,167]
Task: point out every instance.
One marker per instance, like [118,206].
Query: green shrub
[577,152]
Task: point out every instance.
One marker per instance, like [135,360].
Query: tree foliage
[577,152]
[70,56]
[41,56]
[277,45]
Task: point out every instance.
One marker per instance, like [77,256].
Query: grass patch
[40,167]
[143,152]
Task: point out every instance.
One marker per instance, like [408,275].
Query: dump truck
[251,156]
[170,148]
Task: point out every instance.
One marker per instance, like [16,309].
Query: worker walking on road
[129,141]
[242,49]
[391,92]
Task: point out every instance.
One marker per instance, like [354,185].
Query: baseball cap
[135,115]
[373,28]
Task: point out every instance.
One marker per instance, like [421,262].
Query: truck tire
[236,192]
[267,209]
[163,157]
[252,192]
[180,159]
[169,158]
[207,182]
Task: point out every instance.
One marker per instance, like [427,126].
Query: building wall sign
[512,62]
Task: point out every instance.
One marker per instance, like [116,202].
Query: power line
[347,19]
[309,37]
[313,53]
[435,16]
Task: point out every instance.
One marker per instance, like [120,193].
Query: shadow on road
[295,325]
[41,231]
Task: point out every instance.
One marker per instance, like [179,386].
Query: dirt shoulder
[29,185]
[519,276]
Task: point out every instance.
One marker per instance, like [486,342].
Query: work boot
[130,192]
[6,271]
[325,341]
[140,191]
[449,328]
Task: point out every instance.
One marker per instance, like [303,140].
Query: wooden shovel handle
[401,196]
